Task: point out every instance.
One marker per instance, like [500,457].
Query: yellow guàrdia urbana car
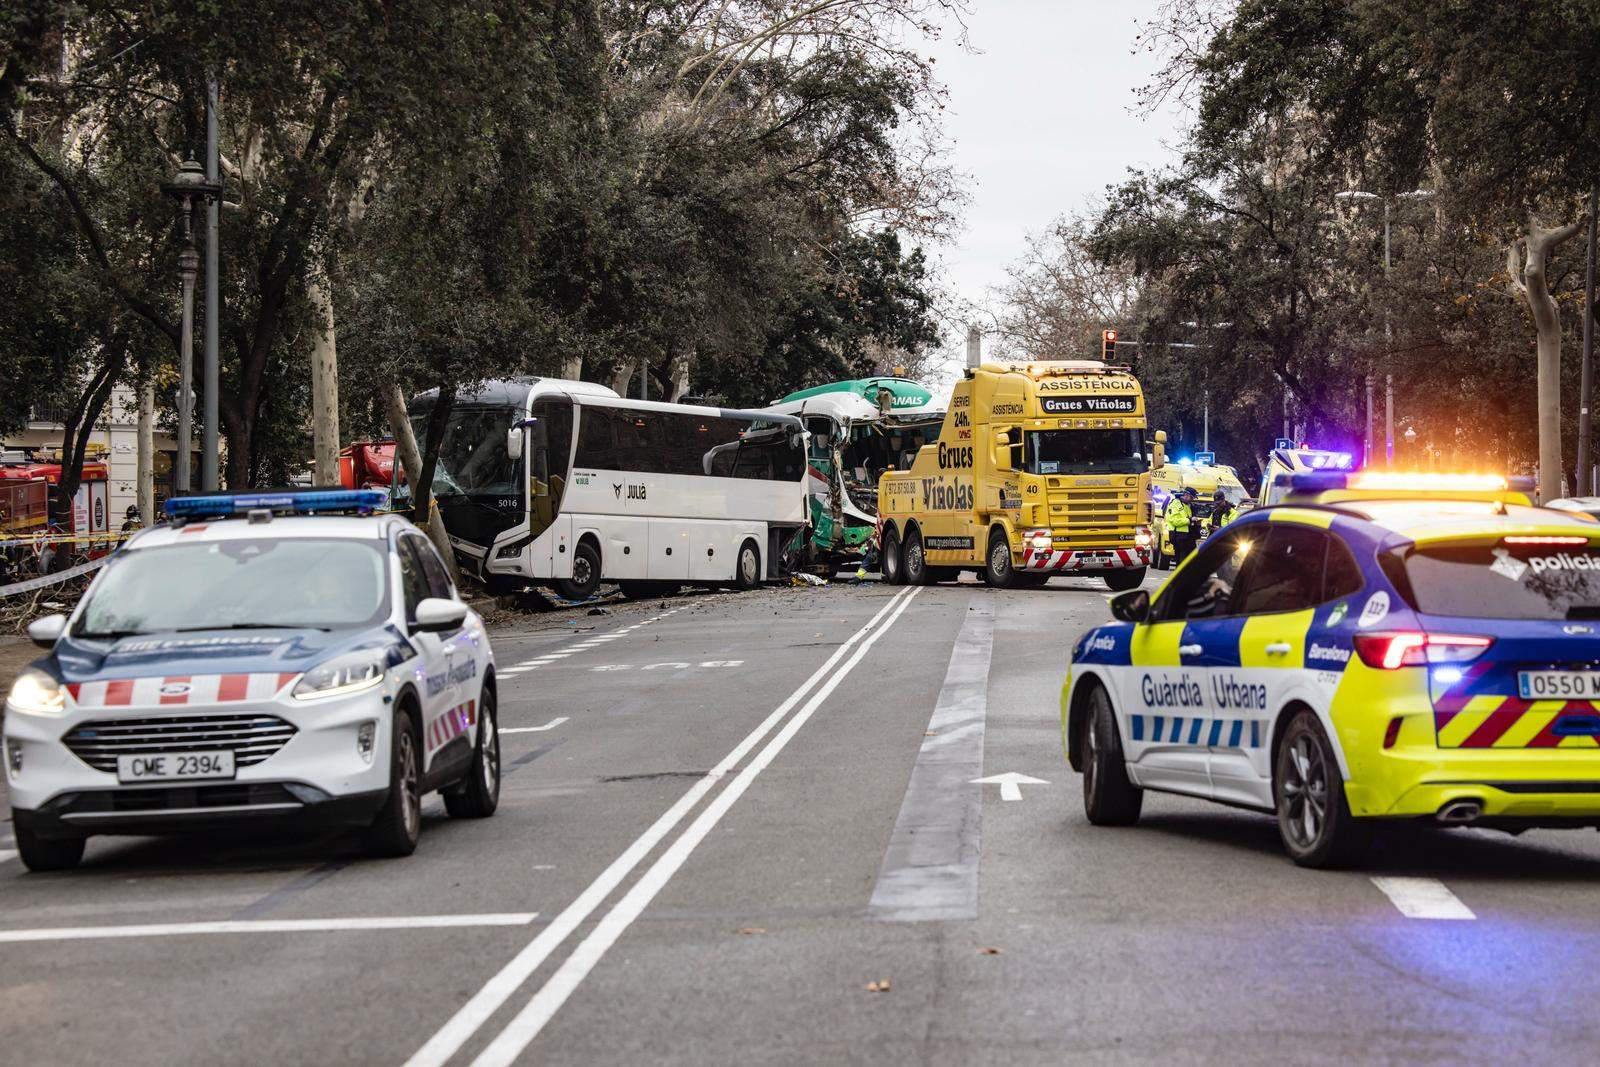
[1379,646]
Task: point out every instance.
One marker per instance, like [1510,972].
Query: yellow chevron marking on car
[1468,719]
[1157,645]
[1304,516]
[1525,729]
[1263,630]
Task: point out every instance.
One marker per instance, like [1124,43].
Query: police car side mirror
[1132,606]
[437,615]
[44,632]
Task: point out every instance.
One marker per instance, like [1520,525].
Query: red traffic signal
[1108,348]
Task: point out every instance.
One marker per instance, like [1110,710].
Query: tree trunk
[145,452]
[324,383]
[622,377]
[1534,286]
[572,368]
[405,447]
[679,373]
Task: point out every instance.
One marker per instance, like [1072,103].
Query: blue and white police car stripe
[1197,730]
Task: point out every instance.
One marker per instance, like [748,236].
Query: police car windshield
[1083,452]
[1526,581]
[238,584]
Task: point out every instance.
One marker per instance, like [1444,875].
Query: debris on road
[752,930]
[880,986]
[802,578]
[990,951]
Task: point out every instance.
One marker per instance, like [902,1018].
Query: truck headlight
[349,672]
[36,693]
[1040,540]
[1142,537]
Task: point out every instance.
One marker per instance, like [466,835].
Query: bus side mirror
[514,442]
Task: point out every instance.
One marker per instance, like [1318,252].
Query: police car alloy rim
[1091,753]
[490,761]
[408,784]
[1305,792]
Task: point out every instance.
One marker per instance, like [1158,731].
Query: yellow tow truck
[1039,470]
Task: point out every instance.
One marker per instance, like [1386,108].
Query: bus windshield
[1083,452]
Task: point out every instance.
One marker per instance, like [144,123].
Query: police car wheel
[398,825]
[1314,819]
[913,560]
[585,580]
[48,854]
[479,794]
[1109,798]
[997,568]
[892,574]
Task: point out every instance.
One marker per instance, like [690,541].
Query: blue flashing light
[1185,462]
[1317,481]
[302,502]
[1326,461]
[1447,675]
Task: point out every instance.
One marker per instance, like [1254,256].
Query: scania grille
[251,738]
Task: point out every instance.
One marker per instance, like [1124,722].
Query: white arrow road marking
[551,725]
[7,854]
[268,926]
[1423,898]
[1010,783]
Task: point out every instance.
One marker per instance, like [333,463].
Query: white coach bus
[549,482]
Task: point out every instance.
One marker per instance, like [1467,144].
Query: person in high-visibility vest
[1179,519]
[1222,510]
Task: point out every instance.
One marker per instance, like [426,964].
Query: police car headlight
[36,693]
[350,672]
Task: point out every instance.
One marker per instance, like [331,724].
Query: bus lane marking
[472,1015]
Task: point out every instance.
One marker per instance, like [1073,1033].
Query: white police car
[265,658]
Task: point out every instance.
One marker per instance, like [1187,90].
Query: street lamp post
[1411,443]
[1388,329]
[188,187]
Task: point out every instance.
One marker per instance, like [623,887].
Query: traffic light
[1108,349]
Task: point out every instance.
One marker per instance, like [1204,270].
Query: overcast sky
[1041,116]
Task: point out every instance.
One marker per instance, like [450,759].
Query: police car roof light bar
[297,502]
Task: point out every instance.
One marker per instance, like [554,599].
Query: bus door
[550,454]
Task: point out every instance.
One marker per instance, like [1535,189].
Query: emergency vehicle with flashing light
[264,658]
[1040,469]
[1282,464]
[1380,646]
[1205,479]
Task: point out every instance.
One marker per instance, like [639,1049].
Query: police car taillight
[1410,648]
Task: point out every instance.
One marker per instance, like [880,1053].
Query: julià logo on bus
[635,492]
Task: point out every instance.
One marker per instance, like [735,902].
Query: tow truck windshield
[297,583]
[1083,452]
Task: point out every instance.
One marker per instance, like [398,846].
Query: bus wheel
[748,574]
[997,568]
[891,563]
[585,580]
[1124,580]
[913,560]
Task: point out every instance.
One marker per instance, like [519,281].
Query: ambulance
[1205,479]
[1039,470]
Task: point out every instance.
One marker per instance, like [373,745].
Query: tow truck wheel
[585,580]
[398,825]
[891,564]
[1314,818]
[1109,798]
[914,561]
[1123,580]
[479,794]
[997,568]
[48,854]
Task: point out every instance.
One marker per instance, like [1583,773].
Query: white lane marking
[1422,898]
[1010,783]
[7,854]
[522,1029]
[674,665]
[268,926]
[487,1000]
[551,725]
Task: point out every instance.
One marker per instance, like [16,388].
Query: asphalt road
[741,829]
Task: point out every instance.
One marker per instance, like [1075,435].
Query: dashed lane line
[477,1011]
[7,854]
[1422,898]
[268,926]
[551,725]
